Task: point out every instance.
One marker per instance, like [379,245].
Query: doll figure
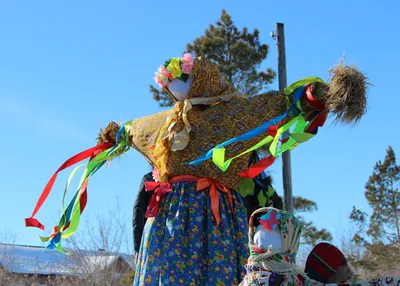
[274,239]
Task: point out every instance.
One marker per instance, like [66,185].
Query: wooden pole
[286,164]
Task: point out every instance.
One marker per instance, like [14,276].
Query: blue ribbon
[297,94]
[54,241]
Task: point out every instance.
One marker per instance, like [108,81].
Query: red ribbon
[33,222]
[257,168]
[311,99]
[272,130]
[160,190]
[319,121]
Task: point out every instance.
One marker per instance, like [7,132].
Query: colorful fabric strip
[297,89]
[252,133]
[33,222]
[203,184]
[69,221]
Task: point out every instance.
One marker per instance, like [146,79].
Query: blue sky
[68,68]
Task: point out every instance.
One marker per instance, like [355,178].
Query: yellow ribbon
[170,140]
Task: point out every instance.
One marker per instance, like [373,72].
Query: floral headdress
[174,68]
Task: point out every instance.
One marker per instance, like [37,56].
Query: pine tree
[382,236]
[239,55]
[383,196]
[311,234]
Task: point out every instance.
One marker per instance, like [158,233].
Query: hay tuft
[109,134]
[347,93]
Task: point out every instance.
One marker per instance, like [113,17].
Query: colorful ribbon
[69,221]
[254,132]
[258,167]
[301,133]
[160,190]
[213,185]
[32,221]
[219,153]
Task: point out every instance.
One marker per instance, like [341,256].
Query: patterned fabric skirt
[183,246]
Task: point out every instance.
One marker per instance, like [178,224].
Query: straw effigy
[344,97]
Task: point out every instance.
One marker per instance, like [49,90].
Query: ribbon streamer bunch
[70,218]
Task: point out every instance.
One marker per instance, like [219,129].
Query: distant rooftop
[25,259]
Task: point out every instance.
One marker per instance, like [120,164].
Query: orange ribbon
[213,185]
[161,189]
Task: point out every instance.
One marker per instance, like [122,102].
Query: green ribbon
[291,88]
[218,156]
[92,166]
[297,136]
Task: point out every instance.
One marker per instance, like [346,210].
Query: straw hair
[347,94]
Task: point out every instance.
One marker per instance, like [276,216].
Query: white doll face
[180,89]
[265,238]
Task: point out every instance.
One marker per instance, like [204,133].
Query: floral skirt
[183,246]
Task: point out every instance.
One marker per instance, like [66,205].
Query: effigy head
[175,76]
[189,77]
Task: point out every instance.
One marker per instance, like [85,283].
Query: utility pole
[286,165]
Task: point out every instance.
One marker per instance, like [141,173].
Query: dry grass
[109,134]
[347,93]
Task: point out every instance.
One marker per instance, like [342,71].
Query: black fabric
[261,182]
[139,209]
[252,203]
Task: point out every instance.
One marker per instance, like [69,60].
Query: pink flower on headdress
[187,63]
[187,68]
[164,72]
[161,80]
[156,175]
[187,58]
